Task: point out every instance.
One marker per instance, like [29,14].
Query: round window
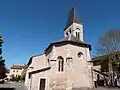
[80,55]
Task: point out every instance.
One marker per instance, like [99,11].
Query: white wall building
[16,70]
[65,64]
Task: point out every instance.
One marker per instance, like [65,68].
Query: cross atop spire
[72,18]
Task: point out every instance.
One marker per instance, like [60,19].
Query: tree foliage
[109,42]
[109,47]
[17,78]
[2,61]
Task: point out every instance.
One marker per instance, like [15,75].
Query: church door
[42,84]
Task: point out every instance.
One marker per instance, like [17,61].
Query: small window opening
[29,76]
[60,64]
[70,31]
[80,54]
[67,33]
[76,34]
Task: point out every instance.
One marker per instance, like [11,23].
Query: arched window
[78,35]
[60,64]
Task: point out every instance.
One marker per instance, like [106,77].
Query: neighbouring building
[16,70]
[103,74]
[65,64]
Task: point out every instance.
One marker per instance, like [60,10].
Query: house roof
[72,18]
[100,72]
[105,56]
[17,67]
[98,58]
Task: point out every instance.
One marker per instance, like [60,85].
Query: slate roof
[70,40]
[72,18]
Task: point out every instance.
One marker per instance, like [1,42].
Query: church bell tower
[73,26]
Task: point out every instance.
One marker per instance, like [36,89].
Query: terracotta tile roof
[17,67]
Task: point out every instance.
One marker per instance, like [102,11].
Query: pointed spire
[72,18]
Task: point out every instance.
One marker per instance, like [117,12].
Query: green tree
[12,77]
[18,78]
[23,77]
[2,61]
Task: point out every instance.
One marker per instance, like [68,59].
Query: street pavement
[12,86]
[20,86]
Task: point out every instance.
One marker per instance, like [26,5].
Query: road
[20,86]
[12,86]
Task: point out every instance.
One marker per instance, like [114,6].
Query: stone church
[65,64]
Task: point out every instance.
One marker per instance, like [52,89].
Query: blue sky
[28,26]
